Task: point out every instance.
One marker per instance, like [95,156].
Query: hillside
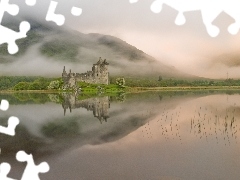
[52,45]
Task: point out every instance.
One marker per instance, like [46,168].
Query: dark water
[156,135]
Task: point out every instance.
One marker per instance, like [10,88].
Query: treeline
[41,83]
[150,82]
[8,82]
[24,83]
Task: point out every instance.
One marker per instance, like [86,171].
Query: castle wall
[72,81]
[98,75]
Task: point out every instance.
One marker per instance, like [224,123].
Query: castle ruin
[98,75]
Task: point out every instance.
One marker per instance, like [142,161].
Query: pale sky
[189,48]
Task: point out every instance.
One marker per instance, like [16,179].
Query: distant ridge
[65,45]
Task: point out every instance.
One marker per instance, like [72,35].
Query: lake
[183,135]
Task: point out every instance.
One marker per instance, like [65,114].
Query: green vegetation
[55,84]
[18,83]
[38,84]
[120,82]
[21,86]
[100,88]
[8,82]
[160,82]
[23,83]
[60,49]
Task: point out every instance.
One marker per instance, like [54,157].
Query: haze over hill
[47,49]
[189,48]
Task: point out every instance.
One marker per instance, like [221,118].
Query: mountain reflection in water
[157,135]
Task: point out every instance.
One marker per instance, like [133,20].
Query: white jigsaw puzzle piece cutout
[4,170]
[133,1]
[7,35]
[12,121]
[210,10]
[76,11]
[12,124]
[31,171]
[4,105]
[232,8]
[59,19]
[30,2]
[6,7]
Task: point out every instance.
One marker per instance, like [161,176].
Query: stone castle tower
[98,75]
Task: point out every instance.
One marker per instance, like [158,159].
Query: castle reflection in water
[98,105]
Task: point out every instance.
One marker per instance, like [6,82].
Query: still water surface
[157,135]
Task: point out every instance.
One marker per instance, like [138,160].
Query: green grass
[150,82]
[100,88]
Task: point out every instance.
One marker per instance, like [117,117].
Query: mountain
[57,46]
[227,59]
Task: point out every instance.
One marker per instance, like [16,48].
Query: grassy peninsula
[130,84]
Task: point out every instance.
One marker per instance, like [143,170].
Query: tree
[21,86]
[34,86]
[42,83]
[160,78]
[120,82]
[54,85]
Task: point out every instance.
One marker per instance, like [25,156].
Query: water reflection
[213,118]
[220,123]
[147,136]
[50,129]
[98,105]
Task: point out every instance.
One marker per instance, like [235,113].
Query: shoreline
[185,88]
[139,89]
